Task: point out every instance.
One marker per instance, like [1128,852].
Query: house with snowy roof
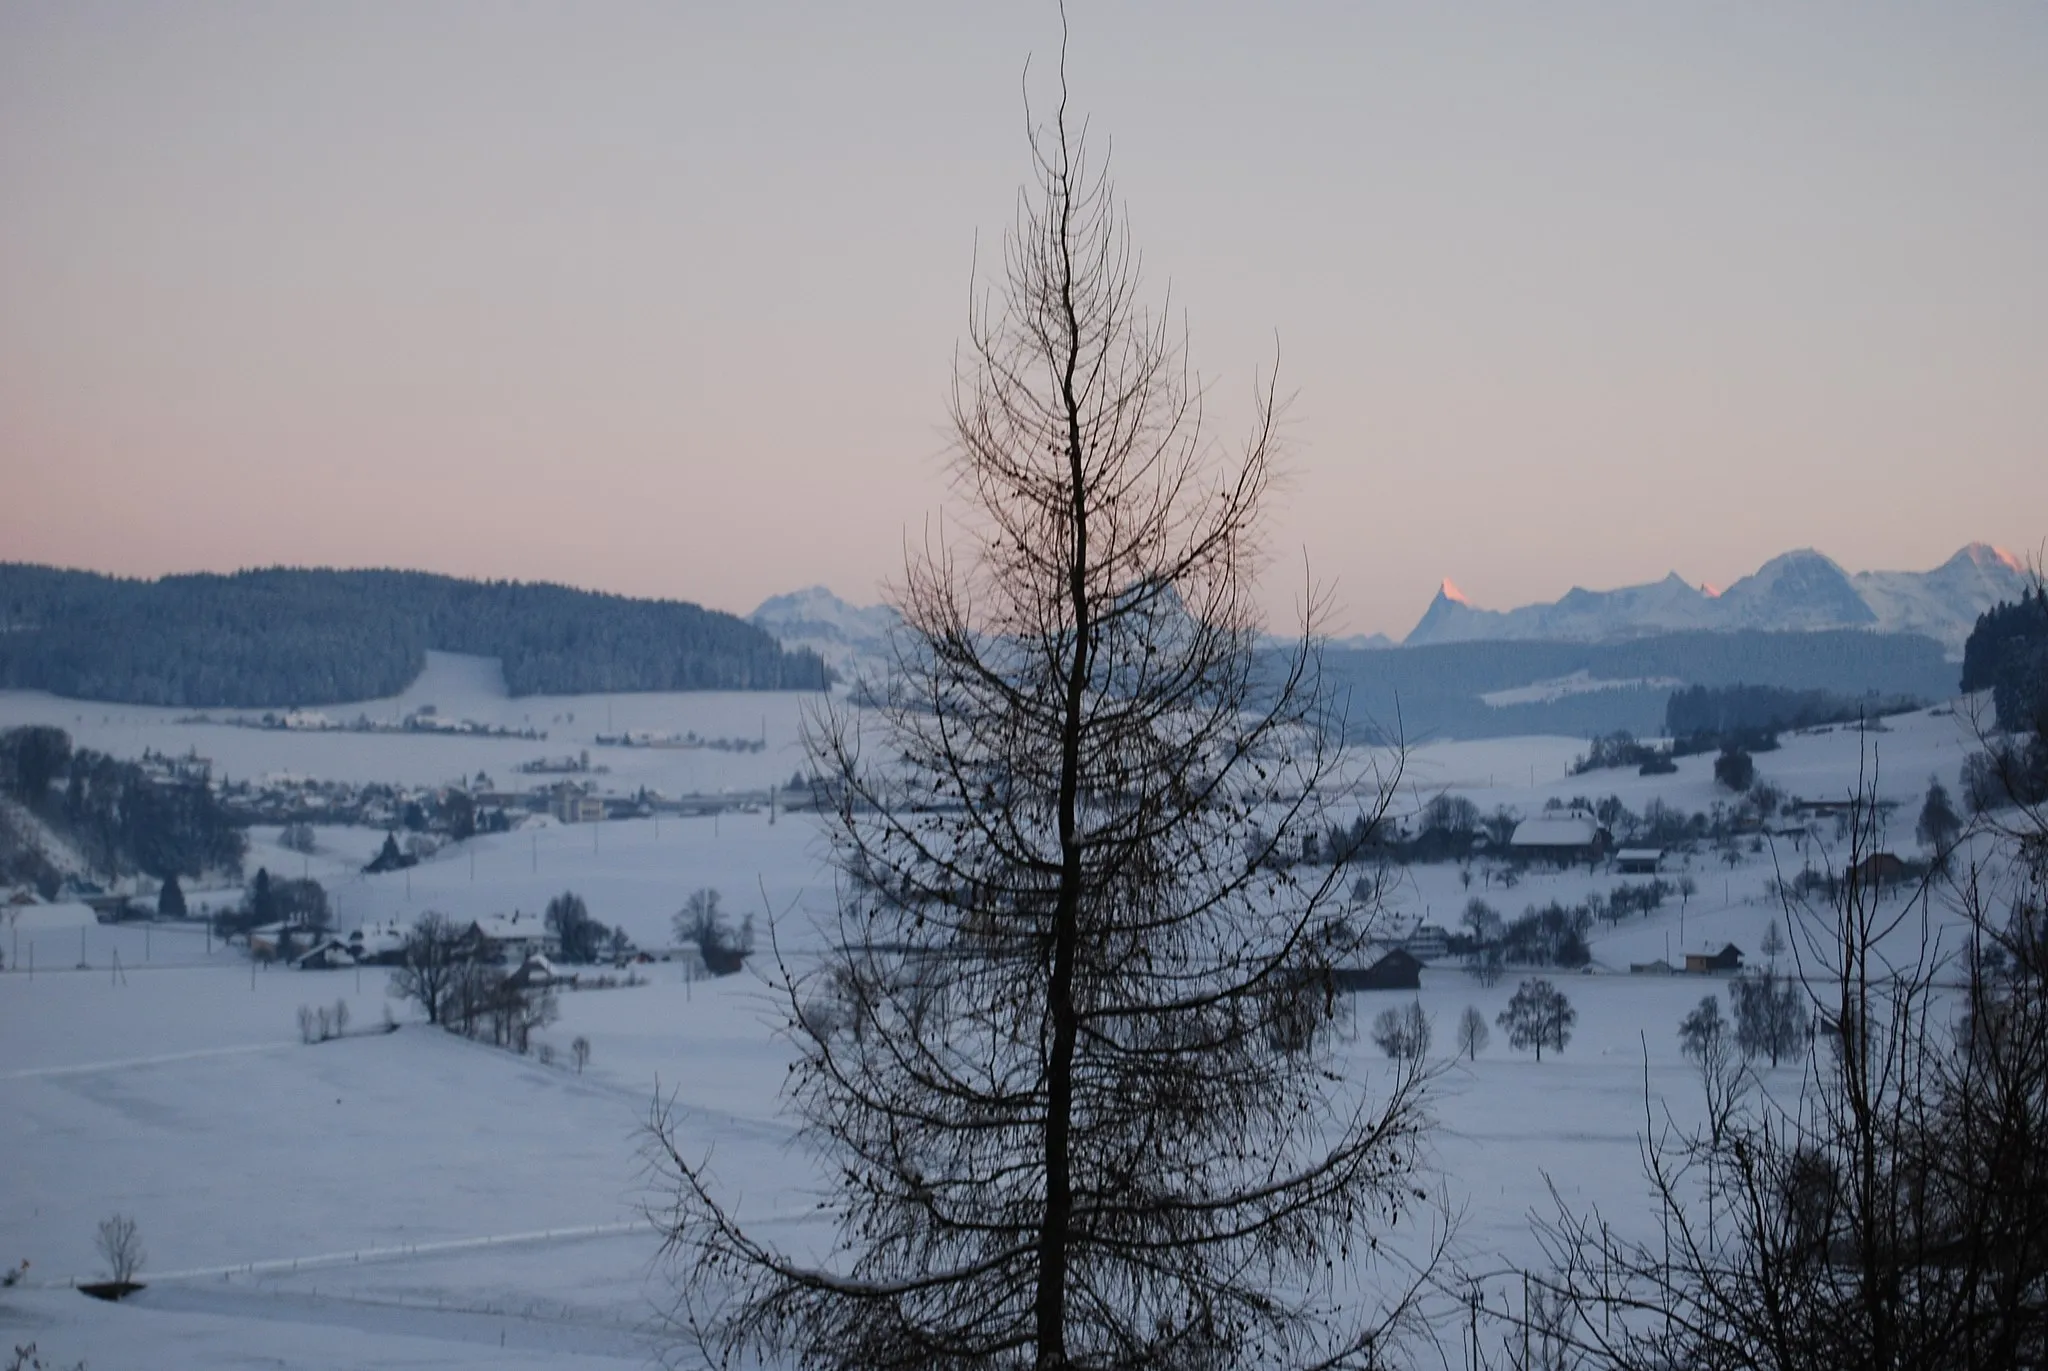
[1565,839]
[508,938]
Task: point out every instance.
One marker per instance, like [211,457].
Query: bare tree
[1538,1016]
[1472,1033]
[703,922]
[1704,1032]
[119,1243]
[1403,1034]
[432,960]
[579,1048]
[1771,1016]
[1076,1123]
[1773,945]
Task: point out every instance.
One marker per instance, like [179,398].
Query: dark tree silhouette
[31,757]
[170,899]
[1538,1016]
[1086,1114]
[581,938]
[433,960]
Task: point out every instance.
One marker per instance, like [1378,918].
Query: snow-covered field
[413,1200]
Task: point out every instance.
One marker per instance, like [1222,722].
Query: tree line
[285,636]
[2007,654]
[118,816]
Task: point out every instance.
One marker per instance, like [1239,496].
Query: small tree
[1402,1034]
[301,903]
[1771,1018]
[1484,925]
[1472,1033]
[1703,1033]
[340,1017]
[119,1243]
[1735,768]
[431,961]
[296,837]
[1538,1016]
[579,1048]
[702,922]
[1939,823]
[170,898]
[580,937]
[1773,946]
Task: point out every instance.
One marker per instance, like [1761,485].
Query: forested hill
[1439,691]
[282,637]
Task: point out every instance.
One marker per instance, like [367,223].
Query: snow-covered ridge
[845,635]
[1798,590]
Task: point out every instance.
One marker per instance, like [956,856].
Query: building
[510,938]
[1879,869]
[571,804]
[1429,943]
[1398,969]
[1565,839]
[538,973]
[1639,861]
[331,955]
[1729,958]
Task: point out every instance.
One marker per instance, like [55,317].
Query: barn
[1565,839]
[1398,969]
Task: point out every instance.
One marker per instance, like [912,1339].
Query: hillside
[1500,688]
[282,637]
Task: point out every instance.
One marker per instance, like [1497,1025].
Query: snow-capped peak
[1801,589]
[841,633]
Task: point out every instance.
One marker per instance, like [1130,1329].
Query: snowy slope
[847,636]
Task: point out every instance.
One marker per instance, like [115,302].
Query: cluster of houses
[518,940]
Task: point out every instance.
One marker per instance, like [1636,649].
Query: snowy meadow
[408,1198]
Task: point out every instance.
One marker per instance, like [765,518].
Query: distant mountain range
[1799,591]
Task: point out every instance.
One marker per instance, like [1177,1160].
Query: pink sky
[661,298]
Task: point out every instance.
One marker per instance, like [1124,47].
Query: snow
[1578,683]
[408,1199]
[461,687]
[1803,589]
[848,637]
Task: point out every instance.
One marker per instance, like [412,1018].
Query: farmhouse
[1879,869]
[538,973]
[571,804]
[378,946]
[1639,861]
[1429,943]
[1729,958]
[513,938]
[1398,969]
[1564,839]
[331,955]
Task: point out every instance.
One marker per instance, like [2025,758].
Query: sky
[662,298]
